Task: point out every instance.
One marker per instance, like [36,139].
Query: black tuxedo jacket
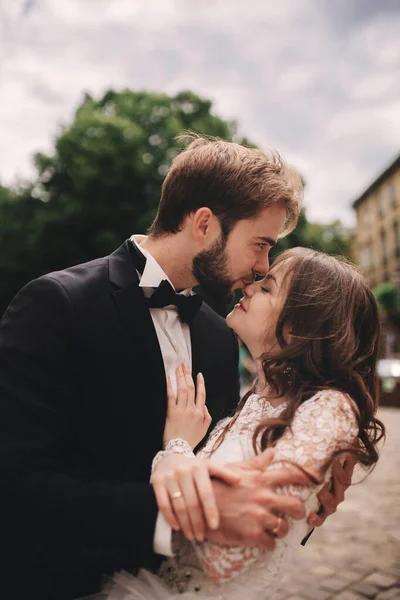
[83,405]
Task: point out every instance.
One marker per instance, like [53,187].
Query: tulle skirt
[144,586]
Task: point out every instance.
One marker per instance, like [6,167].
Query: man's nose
[261,267]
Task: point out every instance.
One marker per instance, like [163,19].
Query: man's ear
[203,220]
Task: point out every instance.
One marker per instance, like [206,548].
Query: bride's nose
[250,289]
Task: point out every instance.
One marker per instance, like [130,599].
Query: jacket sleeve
[234,381]
[46,510]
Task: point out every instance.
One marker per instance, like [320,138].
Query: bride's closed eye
[265,290]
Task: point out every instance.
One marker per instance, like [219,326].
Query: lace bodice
[322,425]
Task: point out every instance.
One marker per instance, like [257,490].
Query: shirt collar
[153,274]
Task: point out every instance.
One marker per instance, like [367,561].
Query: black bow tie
[164,295]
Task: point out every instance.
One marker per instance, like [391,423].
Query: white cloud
[315,79]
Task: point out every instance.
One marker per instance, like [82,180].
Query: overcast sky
[318,79]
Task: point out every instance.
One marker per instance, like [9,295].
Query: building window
[396,232]
[384,247]
[366,214]
[366,258]
[393,194]
[381,202]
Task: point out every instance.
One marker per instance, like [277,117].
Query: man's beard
[210,268]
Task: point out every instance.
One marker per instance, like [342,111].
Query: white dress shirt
[174,339]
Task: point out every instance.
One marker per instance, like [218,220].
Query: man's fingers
[278,526]
[316,520]
[224,473]
[259,462]
[266,540]
[288,505]
[286,476]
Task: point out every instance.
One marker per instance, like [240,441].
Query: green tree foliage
[19,214]
[331,238]
[387,297]
[104,179]
[102,183]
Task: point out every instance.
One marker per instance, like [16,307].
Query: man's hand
[332,494]
[251,513]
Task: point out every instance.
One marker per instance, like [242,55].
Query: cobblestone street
[356,553]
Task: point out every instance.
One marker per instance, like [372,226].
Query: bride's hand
[187,414]
[185,495]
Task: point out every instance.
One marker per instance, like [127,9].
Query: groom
[83,357]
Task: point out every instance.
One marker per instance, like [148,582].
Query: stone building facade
[377,239]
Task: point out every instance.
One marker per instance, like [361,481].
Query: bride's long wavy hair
[332,320]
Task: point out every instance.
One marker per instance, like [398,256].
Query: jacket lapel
[135,315]
[198,337]
[204,361]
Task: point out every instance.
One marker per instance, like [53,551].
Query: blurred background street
[356,553]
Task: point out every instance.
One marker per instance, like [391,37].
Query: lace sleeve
[175,446]
[322,425]
[180,446]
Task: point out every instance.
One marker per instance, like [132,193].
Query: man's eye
[262,246]
[265,290]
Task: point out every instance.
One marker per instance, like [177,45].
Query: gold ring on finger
[176,495]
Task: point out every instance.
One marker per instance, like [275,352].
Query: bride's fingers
[164,504]
[189,384]
[193,506]
[182,391]
[180,507]
[207,418]
[171,398]
[207,498]
[201,391]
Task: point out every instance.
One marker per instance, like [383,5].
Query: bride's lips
[240,306]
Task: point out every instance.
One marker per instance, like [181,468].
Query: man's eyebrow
[267,240]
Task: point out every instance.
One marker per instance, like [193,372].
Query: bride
[312,328]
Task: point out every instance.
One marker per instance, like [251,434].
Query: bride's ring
[276,529]
[176,495]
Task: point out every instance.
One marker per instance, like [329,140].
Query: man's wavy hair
[235,182]
[333,322]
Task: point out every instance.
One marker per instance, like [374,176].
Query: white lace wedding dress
[323,424]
